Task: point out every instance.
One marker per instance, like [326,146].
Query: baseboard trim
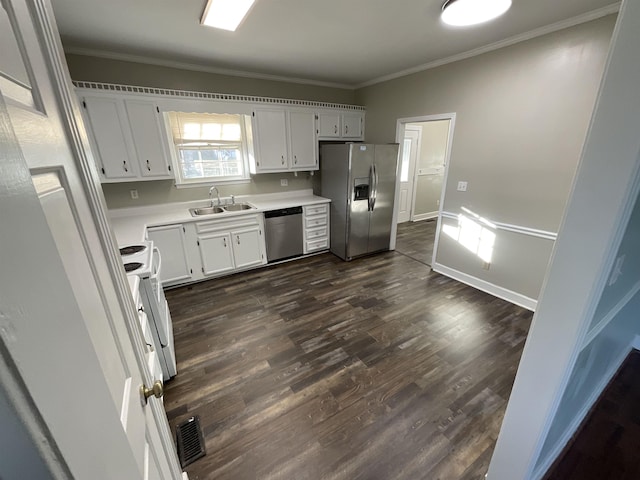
[573,427]
[495,290]
[424,216]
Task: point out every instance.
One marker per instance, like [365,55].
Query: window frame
[245,152]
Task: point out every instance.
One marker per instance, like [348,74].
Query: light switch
[462,186]
[134,194]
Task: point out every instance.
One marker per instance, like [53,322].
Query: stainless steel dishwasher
[283,233]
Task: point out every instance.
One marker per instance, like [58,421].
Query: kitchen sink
[196,212]
[236,207]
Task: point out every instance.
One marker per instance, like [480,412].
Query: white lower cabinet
[316,228]
[229,245]
[216,253]
[171,242]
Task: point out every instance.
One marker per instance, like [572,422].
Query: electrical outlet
[462,186]
[134,194]
[284,182]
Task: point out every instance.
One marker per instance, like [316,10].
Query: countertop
[130,224]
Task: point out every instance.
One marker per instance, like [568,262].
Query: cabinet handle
[335,129]
[282,156]
[124,165]
[238,238]
[295,159]
[346,129]
[225,242]
[148,166]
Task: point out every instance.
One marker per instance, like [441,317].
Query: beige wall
[115,71]
[522,115]
[94,69]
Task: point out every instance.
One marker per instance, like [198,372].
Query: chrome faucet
[211,194]
[233,199]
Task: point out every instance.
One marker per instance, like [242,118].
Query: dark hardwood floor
[322,369]
[416,239]
[608,444]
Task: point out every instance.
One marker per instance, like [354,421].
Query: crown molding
[538,32]
[125,57]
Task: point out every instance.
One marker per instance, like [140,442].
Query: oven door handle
[156,275]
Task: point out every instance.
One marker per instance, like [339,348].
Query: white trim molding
[227,97]
[424,216]
[610,315]
[538,32]
[532,232]
[487,287]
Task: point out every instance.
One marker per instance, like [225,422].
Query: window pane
[191,131]
[231,132]
[211,131]
[406,152]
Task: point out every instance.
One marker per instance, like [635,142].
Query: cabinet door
[329,125]
[216,253]
[270,131]
[108,126]
[144,120]
[304,140]
[170,240]
[351,125]
[247,247]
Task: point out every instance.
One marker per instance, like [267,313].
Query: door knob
[156,390]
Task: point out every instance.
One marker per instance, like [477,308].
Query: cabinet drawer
[315,233]
[314,245]
[315,209]
[315,221]
[226,224]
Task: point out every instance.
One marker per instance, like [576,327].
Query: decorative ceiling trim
[227,97]
[538,32]
[126,57]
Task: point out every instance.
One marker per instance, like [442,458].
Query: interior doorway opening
[425,145]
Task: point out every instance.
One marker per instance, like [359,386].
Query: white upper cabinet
[270,140]
[329,125]
[352,125]
[284,140]
[146,128]
[128,137]
[339,125]
[303,141]
[107,121]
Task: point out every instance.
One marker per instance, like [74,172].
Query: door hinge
[184,230]
[191,270]
[102,169]
[260,231]
[253,114]
[158,109]
[84,104]
[169,167]
[198,242]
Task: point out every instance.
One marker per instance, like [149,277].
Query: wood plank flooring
[416,239]
[322,369]
[606,446]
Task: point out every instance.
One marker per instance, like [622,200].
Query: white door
[68,323]
[216,253]
[170,240]
[408,157]
[270,130]
[303,140]
[246,247]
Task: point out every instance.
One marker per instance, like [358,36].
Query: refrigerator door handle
[374,193]
[370,200]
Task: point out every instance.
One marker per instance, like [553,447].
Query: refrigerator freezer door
[361,159]
[386,161]
[334,184]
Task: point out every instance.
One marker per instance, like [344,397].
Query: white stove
[144,260]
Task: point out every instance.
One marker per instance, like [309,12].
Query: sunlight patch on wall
[474,233]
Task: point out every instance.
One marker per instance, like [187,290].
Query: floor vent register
[190,441]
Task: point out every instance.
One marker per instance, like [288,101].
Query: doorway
[425,145]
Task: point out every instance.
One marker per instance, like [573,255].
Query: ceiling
[343,43]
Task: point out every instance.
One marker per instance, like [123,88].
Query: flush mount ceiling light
[225,14]
[461,13]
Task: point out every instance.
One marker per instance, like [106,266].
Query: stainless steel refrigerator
[360,180]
